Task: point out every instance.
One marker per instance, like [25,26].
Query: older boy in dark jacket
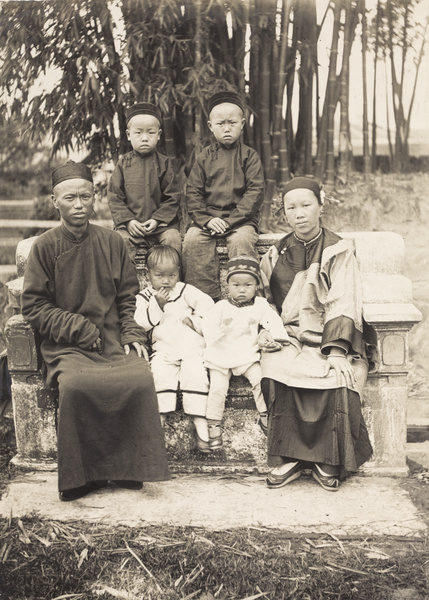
[224,194]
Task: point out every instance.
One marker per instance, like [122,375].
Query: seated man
[79,293]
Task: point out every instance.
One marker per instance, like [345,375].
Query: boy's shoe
[263,422]
[215,436]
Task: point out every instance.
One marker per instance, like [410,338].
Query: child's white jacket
[231,332]
[170,336]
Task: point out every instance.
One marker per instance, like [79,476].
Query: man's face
[74,198]
[226,123]
[143,132]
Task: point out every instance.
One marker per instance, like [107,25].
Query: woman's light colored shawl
[325,291]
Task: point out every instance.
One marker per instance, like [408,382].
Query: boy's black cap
[303,183]
[143,108]
[71,170]
[222,97]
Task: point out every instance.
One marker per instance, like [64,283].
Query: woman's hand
[139,348]
[343,369]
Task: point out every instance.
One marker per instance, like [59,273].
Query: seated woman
[313,386]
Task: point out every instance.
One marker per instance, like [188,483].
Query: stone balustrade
[389,315]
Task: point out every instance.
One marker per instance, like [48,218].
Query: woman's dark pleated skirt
[324,426]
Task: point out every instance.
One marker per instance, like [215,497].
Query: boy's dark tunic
[144,187]
[108,425]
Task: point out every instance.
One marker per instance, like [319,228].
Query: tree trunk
[306,24]
[267,28]
[326,141]
[344,140]
[279,134]
[365,152]
[374,97]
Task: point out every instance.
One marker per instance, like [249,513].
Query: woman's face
[302,212]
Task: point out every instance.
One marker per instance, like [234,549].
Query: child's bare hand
[136,229]
[187,321]
[217,225]
[266,342]
[150,225]
[162,296]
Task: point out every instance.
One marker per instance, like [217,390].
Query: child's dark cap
[225,96]
[143,108]
[243,264]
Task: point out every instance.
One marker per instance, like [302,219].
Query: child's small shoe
[200,444]
[215,436]
[263,422]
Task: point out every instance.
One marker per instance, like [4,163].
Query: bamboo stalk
[374,97]
[366,157]
[279,135]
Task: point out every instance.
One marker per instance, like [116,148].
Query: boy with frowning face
[224,195]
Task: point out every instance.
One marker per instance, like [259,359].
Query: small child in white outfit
[173,312]
[231,330]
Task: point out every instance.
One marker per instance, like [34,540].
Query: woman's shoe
[330,483]
[277,481]
[215,437]
[80,492]
[202,445]
[263,422]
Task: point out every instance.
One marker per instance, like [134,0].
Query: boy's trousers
[187,373]
[201,260]
[219,383]
[169,237]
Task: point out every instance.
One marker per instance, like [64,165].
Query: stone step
[16,209]
[417,430]
[419,453]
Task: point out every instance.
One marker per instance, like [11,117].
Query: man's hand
[97,346]
[139,348]
[150,225]
[162,296]
[136,229]
[217,225]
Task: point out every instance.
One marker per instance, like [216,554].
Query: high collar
[219,145]
[144,156]
[308,242]
[71,236]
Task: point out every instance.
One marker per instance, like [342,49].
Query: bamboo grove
[106,54]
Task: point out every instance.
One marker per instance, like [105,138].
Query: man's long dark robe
[108,424]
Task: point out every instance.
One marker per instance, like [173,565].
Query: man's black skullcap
[222,97]
[143,108]
[71,170]
[303,183]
